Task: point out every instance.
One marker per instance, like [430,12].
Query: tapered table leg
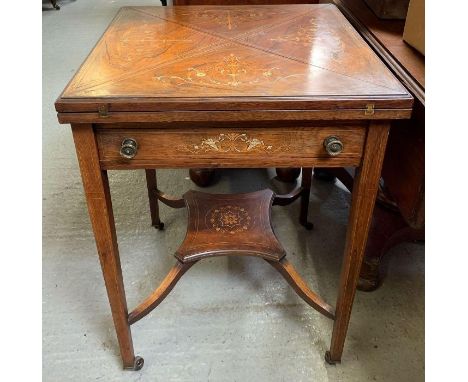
[98,197]
[363,199]
[152,185]
[305,184]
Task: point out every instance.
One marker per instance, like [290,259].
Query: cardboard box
[389,9]
[415,25]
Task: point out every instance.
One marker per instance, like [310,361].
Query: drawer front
[231,147]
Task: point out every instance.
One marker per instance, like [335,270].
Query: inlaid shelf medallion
[229,219]
[211,215]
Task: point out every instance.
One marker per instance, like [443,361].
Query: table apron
[231,147]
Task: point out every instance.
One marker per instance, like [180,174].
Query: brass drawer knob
[333,145]
[129,148]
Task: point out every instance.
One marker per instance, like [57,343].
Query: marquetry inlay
[142,42]
[231,71]
[313,34]
[231,51]
[232,18]
[230,219]
[231,143]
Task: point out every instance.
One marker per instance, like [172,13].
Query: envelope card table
[230,86]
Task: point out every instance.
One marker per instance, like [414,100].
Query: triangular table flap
[287,52]
[134,43]
[228,21]
[247,72]
[325,40]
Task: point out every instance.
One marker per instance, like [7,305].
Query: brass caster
[202,177]
[138,363]
[328,358]
[308,226]
[288,175]
[159,226]
[324,175]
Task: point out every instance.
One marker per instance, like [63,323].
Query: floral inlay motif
[314,34]
[230,219]
[231,19]
[139,43]
[230,142]
[231,72]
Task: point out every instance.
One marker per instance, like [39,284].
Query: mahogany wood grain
[168,200]
[285,268]
[214,86]
[273,116]
[229,225]
[287,199]
[202,177]
[238,146]
[241,2]
[387,37]
[96,187]
[306,182]
[207,57]
[363,198]
[404,183]
[387,230]
[232,163]
[151,184]
[150,104]
[288,175]
[160,293]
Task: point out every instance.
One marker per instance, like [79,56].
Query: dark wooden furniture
[241,2]
[256,86]
[399,215]
[55,5]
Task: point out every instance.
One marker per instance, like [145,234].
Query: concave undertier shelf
[230,225]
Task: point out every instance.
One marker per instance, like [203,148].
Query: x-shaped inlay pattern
[295,50]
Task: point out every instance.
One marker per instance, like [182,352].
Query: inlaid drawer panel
[230,147]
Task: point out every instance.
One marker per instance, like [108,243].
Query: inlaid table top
[198,57]
[231,86]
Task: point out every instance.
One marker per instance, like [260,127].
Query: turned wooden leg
[98,197]
[365,188]
[388,229]
[152,185]
[288,175]
[54,4]
[324,174]
[202,177]
[305,184]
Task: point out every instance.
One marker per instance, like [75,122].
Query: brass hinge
[369,109]
[103,111]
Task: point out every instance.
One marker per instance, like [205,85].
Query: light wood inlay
[236,146]
[162,54]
